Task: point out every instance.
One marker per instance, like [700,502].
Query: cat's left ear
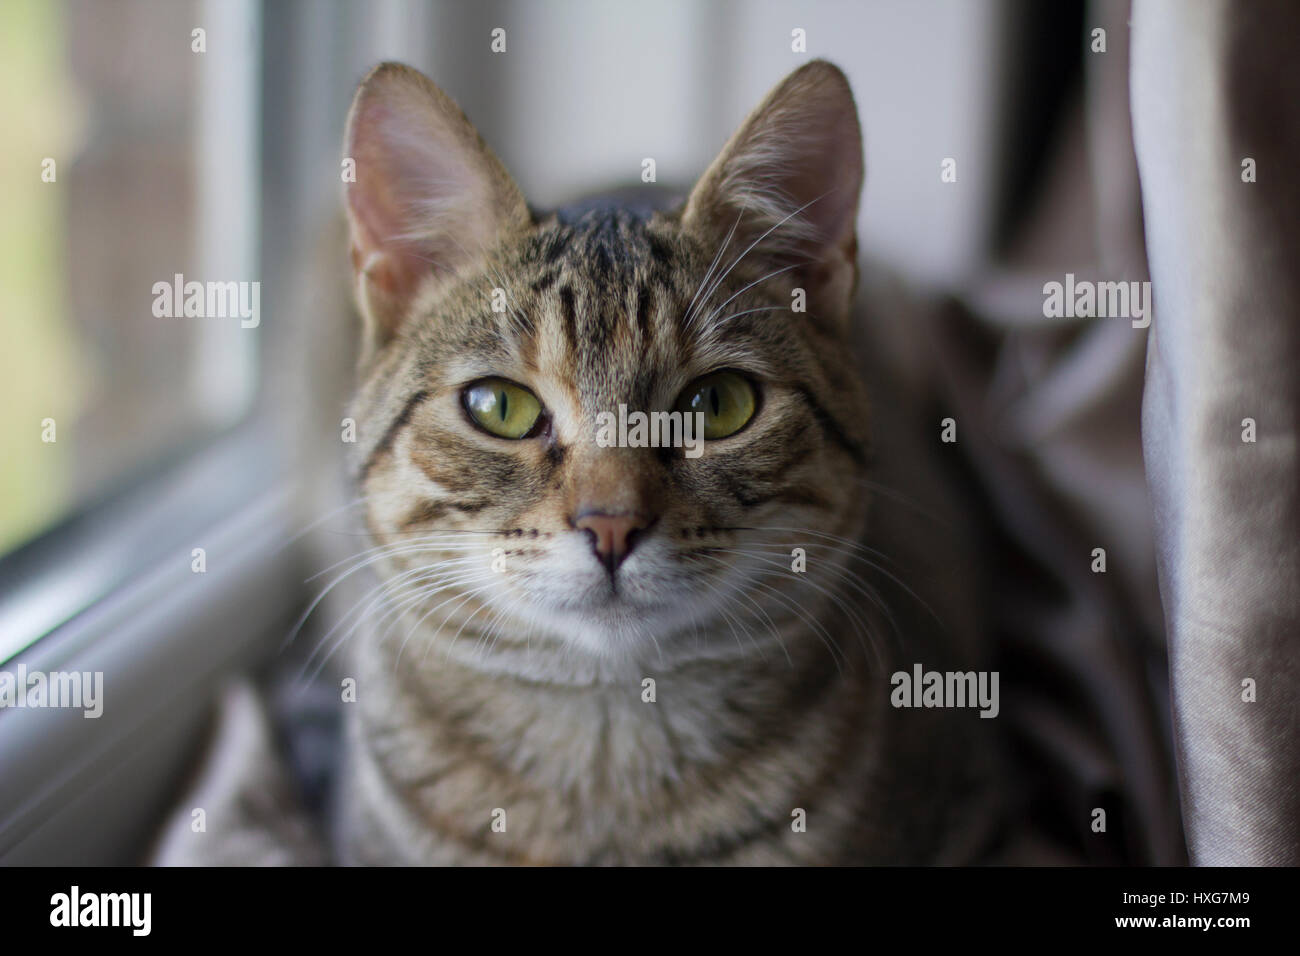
[788,182]
[429,197]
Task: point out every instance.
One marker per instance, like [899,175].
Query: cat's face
[504,350]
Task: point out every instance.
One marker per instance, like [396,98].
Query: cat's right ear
[429,197]
[786,186]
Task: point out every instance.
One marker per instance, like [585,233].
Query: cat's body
[584,654]
[719,769]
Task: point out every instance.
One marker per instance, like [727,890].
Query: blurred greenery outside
[42,365]
[106,91]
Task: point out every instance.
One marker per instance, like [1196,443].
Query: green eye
[726,399]
[502,408]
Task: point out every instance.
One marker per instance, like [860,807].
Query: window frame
[111,587]
[162,637]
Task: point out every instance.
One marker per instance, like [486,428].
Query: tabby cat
[583,654]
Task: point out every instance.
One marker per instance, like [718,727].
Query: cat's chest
[458,767]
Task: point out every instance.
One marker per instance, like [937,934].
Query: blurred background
[204,139]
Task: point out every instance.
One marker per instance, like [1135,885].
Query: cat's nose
[612,535]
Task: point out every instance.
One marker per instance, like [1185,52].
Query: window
[132,161]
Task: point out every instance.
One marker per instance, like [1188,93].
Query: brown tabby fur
[516,694]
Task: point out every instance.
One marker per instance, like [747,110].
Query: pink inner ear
[831,175]
[809,151]
[795,169]
[429,196]
[384,201]
[422,203]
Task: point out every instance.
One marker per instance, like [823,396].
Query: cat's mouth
[604,598]
[651,595]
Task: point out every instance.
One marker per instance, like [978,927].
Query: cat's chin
[655,610]
[613,628]
[622,630]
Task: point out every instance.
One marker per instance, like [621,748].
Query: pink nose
[612,536]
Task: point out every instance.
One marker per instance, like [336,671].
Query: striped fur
[519,688]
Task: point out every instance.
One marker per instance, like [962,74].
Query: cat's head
[503,349]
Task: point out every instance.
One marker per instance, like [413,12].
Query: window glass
[109,132]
